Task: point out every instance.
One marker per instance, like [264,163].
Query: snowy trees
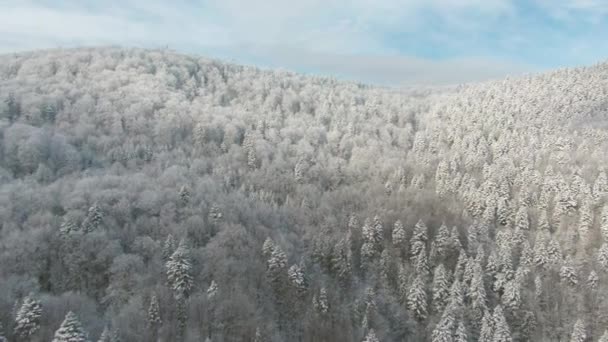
[417,298]
[500,186]
[179,271]
[27,320]
[578,332]
[70,330]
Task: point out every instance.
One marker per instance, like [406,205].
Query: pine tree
[106,335]
[461,333]
[268,247]
[371,336]
[568,272]
[297,279]
[503,212]
[93,219]
[604,337]
[521,219]
[184,196]
[501,328]
[68,226]
[441,242]
[154,320]
[27,320]
[417,299]
[592,280]
[70,330]
[441,289]
[602,256]
[276,265]
[398,235]
[419,239]
[179,271]
[2,336]
[402,280]
[212,290]
[486,333]
[168,247]
[579,333]
[600,186]
[321,302]
[443,331]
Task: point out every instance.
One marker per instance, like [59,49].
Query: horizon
[387,42]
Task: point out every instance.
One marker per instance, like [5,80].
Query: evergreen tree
[2,335]
[168,247]
[93,219]
[417,299]
[602,256]
[297,280]
[486,333]
[398,235]
[441,289]
[502,332]
[371,336]
[27,320]
[154,320]
[568,272]
[70,330]
[443,331]
[604,337]
[441,242]
[276,265]
[592,280]
[461,333]
[212,290]
[418,240]
[184,196]
[521,219]
[179,271]
[268,247]
[579,333]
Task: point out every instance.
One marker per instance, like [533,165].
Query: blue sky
[406,42]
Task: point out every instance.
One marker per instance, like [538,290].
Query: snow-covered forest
[152,196]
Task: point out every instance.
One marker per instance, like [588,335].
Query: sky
[386,42]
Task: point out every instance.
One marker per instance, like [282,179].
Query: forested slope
[164,197]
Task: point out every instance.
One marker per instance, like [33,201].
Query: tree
[154,319]
[502,332]
[2,336]
[417,299]
[297,280]
[486,333]
[568,272]
[184,196]
[108,336]
[179,271]
[371,336]
[398,234]
[441,289]
[418,240]
[443,331]
[168,247]
[579,333]
[602,256]
[461,333]
[27,321]
[604,337]
[70,330]
[93,219]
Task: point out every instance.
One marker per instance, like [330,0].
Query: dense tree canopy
[149,195]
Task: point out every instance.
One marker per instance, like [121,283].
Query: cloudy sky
[393,42]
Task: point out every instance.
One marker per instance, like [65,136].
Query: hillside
[171,197]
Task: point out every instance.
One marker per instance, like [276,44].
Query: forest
[147,195]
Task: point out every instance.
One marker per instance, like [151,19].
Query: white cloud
[336,37]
